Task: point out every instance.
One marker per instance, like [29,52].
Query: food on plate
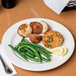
[36,27]
[60,51]
[31,51]
[35,38]
[46,27]
[24,30]
[52,39]
[65,50]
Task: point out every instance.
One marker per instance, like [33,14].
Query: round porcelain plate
[11,37]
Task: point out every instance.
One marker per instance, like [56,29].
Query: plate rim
[43,69]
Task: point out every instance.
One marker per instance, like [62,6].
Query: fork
[8,70]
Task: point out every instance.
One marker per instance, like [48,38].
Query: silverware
[8,70]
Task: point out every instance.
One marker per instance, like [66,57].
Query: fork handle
[7,69]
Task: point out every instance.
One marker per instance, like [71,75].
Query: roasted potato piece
[35,38]
[36,27]
[46,27]
[52,39]
[24,30]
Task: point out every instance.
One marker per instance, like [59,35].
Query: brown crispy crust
[52,39]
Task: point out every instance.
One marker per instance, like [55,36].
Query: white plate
[11,37]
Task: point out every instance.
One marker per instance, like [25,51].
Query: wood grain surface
[37,9]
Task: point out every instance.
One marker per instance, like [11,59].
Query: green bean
[46,55]
[38,46]
[29,54]
[41,47]
[23,56]
[35,51]
[26,50]
[25,40]
[29,50]
[22,39]
[32,59]
[41,51]
[23,50]
[44,59]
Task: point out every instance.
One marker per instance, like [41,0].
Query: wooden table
[37,9]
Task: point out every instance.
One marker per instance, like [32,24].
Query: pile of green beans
[31,51]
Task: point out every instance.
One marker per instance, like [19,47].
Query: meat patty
[52,39]
[36,27]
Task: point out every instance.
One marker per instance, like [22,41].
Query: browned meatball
[36,27]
